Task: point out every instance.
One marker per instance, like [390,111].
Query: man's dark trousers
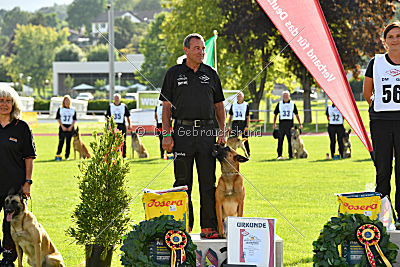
[333,131]
[196,144]
[122,128]
[284,130]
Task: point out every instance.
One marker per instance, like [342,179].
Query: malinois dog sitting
[29,236]
[298,149]
[138,146]
[229,195]
[79,145]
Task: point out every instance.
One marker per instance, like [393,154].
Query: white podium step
[217,244]
[395,238]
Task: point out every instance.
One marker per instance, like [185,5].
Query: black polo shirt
[16,144]
[193,94]
[276,112]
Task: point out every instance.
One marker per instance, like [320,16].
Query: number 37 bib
[386,85]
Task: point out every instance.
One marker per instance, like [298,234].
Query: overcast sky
[30,5]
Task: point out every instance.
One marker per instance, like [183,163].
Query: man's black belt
[195,123]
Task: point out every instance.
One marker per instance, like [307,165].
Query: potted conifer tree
[101,217]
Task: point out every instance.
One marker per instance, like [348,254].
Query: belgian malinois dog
[298,149]
[29,236]
[235,142]
[79,145]
[138,146]
[229,195]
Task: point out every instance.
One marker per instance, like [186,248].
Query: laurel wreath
[135,244]
[340,229]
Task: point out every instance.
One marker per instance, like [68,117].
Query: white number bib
[239,111]
[118,112]
[334,116]
[286,110]
[386,85]
[67,115]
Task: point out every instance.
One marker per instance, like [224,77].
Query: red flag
[303,24]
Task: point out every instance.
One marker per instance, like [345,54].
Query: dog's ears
[240,158]
[299,130]
[77,128]
[349,131]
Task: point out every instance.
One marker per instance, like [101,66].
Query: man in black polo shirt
[285,108]
[192,95]
[119,111]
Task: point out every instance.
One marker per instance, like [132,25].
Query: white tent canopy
[83,86]
[138,86]
[117,88]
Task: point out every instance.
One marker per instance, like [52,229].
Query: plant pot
[94,258]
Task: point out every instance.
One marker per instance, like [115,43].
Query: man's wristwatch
[28,181]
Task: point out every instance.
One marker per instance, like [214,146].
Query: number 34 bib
[386,85]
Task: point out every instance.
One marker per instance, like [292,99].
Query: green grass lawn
[301,190]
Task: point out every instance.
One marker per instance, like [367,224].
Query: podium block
[217,244]
[395,238]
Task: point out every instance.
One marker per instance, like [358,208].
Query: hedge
[102,104]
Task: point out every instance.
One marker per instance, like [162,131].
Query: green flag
[210,51]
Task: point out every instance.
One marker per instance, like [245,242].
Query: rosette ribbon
[176,240]
[369,235]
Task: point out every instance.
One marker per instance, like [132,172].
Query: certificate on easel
[251,241]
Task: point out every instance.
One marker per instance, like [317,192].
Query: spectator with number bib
[285,108]
[335,129]
[382,92]
[240,119]
[119,111]
[66,117]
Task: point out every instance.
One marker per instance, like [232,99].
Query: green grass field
[301,190]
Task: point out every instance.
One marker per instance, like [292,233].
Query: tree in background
[82,12]
[69,52]
[46,20]
[34,48]
[100,53]
[12,18]
[152,47]
[255,43]
[60,10]
[3,69]
[124,32]
[142,5]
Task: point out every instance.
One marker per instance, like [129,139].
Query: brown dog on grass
[138,146]
[229,195]
[29,236]
[79,145]
[298,149]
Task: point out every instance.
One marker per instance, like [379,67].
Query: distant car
[85,96]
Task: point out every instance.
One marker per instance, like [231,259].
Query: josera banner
[304,27]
